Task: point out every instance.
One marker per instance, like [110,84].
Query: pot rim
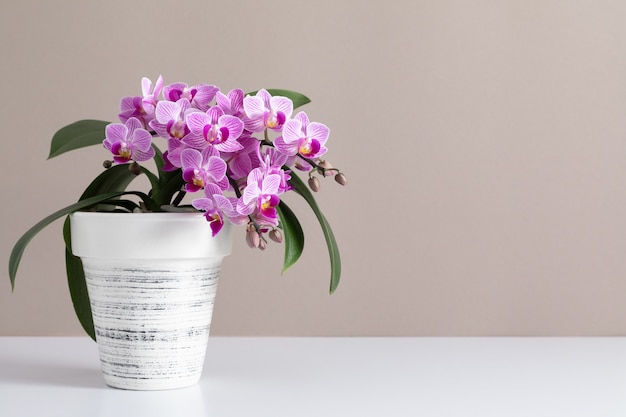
[147,236]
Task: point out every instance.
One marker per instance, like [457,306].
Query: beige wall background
[485,144]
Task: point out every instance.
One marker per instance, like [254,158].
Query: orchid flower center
[124,151]
[175,94]
[305,148]
[268,202]
[265,204]
[274,119]
[215,134]
[308,147]
[191,93]
[138,104]
[176,129]
[197,180]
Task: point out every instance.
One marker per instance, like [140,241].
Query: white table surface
[298,377]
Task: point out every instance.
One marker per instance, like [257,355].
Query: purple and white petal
[318,131]
[233,124]
[289,149]
[195,141]
[231,145]
[240,165]
[246,209]
[251,193]
[254,124]
[282,104]
[292,131]
[271,184]
[208,152]
[203,204]
[264,95]
[254,107]
[204,95]
[191,158]
[224,184]
[216,168]
[303,118]
[196,122]
[214,114]
[116,132]
[132,124]
[141,139]
[166,111]
[141,156]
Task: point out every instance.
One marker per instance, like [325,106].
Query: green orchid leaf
[77,135]
[154,180]
[293,235]
[20,246]
[127,205]
[78,291]
[67,236]
[333,250]
[298,99]
[158,158]
[171,183]
[115,178]
[77,284]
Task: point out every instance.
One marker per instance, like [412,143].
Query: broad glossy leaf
[154,181]
[78,291]
[18,249]
[77,135]
[119,204]
[115,178]
[292,234]
[77,284]
[158,158]
[333,250]
[171,183]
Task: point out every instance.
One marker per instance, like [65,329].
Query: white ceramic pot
[151,279]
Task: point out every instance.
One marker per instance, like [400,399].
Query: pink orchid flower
[261,196]
[303,138]
[231,103]
[128,141]
[214,128]
[217,206]
[169,121]
[203,168]
[142,107]
[199,96]
[266,112]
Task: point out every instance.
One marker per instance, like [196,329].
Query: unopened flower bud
[262,244]
[107,164]
[341,179]
[134,168]
[328,168]
[252,238]
[314,183]
[276,236]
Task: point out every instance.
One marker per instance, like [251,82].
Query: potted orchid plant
[233,154]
